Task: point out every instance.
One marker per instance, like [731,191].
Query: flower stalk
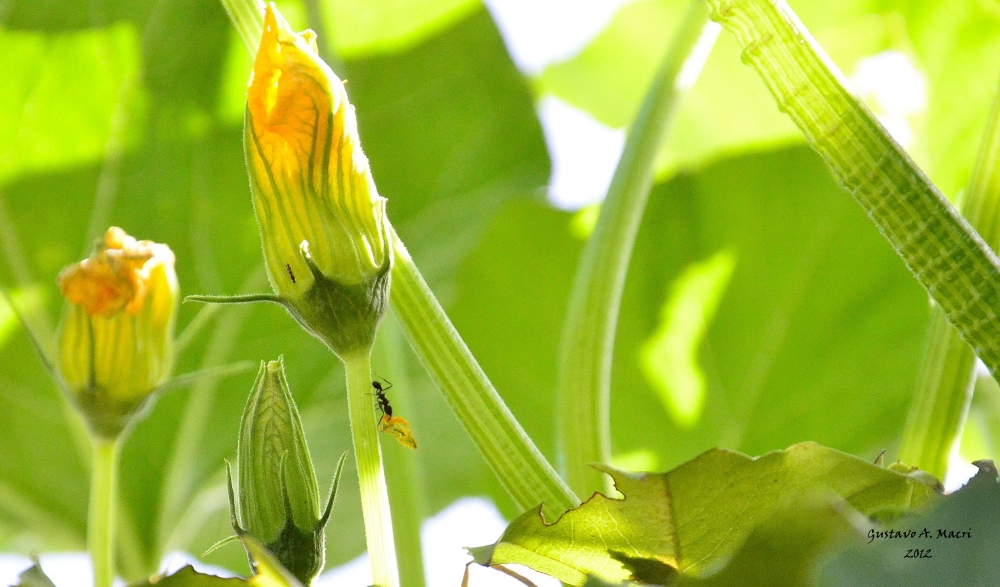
[115,351]
[101,513]
[404,473]
[368,456]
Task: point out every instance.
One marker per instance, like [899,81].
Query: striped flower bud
[278,497]
[116,333]
[322,223]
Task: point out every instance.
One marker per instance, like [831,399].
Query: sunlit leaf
[269,573]
[361,27]
[64,96]
[691,518]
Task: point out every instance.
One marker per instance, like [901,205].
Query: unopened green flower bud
[322,223]
[278,497]
[116,333]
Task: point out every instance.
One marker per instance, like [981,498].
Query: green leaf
[188,577]
[269,573]
[363,27]
[787,549]
[956,542]
[34,577]
[691,518]
[65,96]
[447,160]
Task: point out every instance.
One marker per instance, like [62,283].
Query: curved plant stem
[947,377]
[101,514]
[516,461]
[368,456]
[944,253]
[588,336]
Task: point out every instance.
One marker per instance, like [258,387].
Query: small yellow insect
[394,425]
[398,426]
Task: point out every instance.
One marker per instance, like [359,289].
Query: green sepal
[108,416]
[303,552]
[345,317]
[237,299]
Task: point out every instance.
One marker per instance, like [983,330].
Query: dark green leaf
[955,544]
[188,577]
[34,577]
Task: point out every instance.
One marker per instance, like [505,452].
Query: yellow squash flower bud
[116,333]
[322,222]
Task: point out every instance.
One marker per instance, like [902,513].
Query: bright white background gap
[470,521]
[538,33]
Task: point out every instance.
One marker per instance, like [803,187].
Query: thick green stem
[402,468]
[101,515]
[368,456]
[940,248]
[944,391]
[588,337]
[515,460]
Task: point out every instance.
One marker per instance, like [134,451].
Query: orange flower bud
[322,222]
[116,334]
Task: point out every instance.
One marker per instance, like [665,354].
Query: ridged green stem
[101,514]
[515,460]
[403,472]
[947,377]
[939,247]
[588,337]
[368,456]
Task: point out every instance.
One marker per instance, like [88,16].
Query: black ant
[382,401]
[288,267]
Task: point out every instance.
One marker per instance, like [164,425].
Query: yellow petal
[310,179]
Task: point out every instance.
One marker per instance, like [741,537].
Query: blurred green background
[785,315]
